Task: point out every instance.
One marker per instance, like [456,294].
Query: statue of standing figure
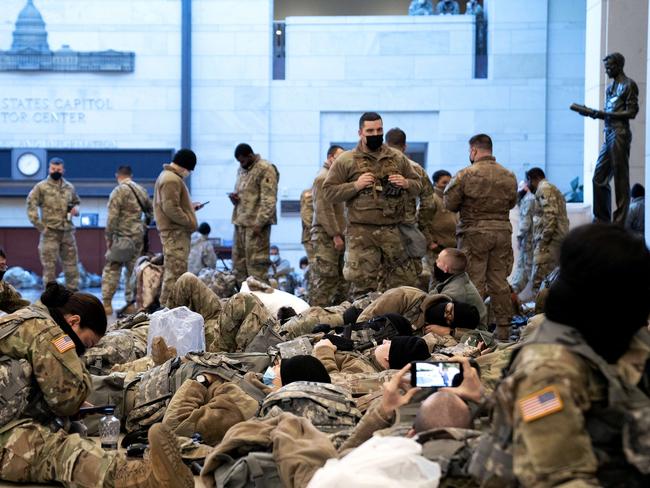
[421,7]
[447,7]
[621,105]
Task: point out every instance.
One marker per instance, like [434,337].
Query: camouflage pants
[327,285]
[250,253]
[176,250]
[545,259]
[229,325]
[54,244]
[523,267]
[112,271]
[373,250]
[489,262]
[33,453]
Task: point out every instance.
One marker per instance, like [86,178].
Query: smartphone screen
[434,374]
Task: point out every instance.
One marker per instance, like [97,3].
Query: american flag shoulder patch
[540,404]
[63,343]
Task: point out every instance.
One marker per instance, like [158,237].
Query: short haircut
[368,117]
[2,253]
[56,161]
[332,150]
[243,149]
[637,191]
[439,174]
[396,137]
[125,170]
[481,141]
[535,174]
[204,229]
[303,260]
[618,58]
[274,247]
[458,259]
[442,410]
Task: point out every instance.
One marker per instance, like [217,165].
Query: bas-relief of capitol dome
[30,50]
[30,31]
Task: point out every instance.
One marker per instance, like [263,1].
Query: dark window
[279,55]
[5,163]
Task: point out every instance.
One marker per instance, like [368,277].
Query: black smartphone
[436,374]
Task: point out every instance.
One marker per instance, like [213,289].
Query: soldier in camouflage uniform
[484,193]
[59,202]
[306,218]
[126,205]
[10,299]
[524,265]
[35,444]
[550,225]
[202,253]
[230,324]
[443,225]
[175,217]
[375,183]
[328,287]
[421,208]
[254,200]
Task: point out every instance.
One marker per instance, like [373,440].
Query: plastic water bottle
[109,429]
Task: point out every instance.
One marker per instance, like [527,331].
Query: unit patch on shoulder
[540,404]
[63,343]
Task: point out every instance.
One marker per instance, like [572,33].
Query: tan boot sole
[168,467]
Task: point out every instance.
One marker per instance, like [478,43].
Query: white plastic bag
[180,327]
[389,462]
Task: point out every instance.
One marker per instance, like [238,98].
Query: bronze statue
[421,7]
[621,105]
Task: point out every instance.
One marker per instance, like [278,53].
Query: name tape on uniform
[63,343]
[540,404]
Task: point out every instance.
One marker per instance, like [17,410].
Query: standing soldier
[443,225]
[419,209]
[202,253]
[306,218]
[327,287]
[175,217]
[550,225]
[254,198]
[524,266]
[58,201]
[374,181]
[484,193]
[129,214]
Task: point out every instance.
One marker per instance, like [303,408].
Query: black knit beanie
[303,368]
[403,350]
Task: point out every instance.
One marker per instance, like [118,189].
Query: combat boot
[164,467]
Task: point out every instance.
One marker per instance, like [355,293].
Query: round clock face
[29,164]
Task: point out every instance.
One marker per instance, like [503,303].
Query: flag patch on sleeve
[540,404]
[63,343]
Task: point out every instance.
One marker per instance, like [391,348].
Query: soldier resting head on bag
[296,368]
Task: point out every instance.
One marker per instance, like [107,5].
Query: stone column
[615,26]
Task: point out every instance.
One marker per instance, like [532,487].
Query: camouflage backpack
[148,284]
[256,469]
[222,283]
[155,388]
[328,407]
[116,347]
[15,374]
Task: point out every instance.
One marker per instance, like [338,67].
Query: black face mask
[56,176]
[440,275]
[374,142]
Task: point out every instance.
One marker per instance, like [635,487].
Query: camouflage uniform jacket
[202,254]
[526,212]
[421,209]
[347,362]
[172,206]
[443,223]
[328,216]
[257,188]
[124,211]
[370,206]
[407,301]
[53,198]
[58,372]
[10,299]
[483,193]
[306,215]
[550,221]
[461,289]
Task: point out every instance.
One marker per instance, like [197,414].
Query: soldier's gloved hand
[341,343]
[324,328]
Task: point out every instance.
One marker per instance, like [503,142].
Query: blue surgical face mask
[274,258]
[269,376]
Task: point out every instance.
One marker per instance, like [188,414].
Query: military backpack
[255,470]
